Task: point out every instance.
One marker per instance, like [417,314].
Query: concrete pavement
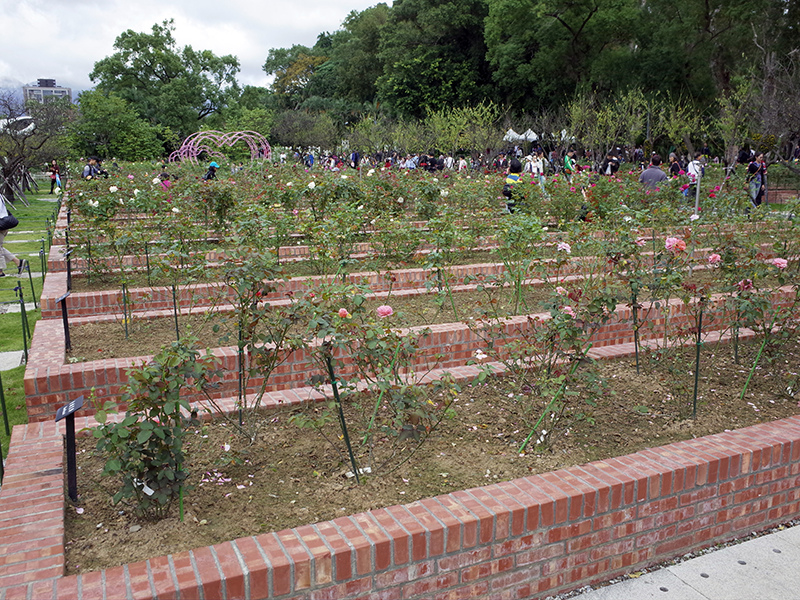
[764,568]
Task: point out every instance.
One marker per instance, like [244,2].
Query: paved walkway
[10,360]
[764,568]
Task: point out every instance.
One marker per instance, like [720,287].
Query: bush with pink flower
[675,245]
[384,311]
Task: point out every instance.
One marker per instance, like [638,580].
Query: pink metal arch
[211,141]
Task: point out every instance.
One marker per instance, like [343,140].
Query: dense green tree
[354,66]
[434,55]
[108,126]
[169,86]
[541,50]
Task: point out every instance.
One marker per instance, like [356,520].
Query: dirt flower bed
[291,476]
[95,341]
[106,339]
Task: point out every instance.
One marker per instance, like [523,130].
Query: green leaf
[143,436]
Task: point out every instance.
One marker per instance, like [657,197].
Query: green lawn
[32,228]
[15,401]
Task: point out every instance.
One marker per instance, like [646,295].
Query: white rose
[176,210]
[156,181]
[113,189]
[312,185]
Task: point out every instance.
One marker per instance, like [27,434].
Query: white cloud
[62,39]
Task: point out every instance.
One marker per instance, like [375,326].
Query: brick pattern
[49,381]
[526,538]
[32,507]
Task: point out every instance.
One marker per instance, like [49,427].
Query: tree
[541,50]
[304,129]
[354,65]
[108,126]
[169,86]
[293,69]
[26,131]
[434,56]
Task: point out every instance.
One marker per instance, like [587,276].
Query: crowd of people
[541,163]
[513,162]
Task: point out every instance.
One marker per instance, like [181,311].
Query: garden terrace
[216,295]
[50,380]
[109,303]
[528,537]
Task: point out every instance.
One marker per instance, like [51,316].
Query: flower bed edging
[528,537]
[50,381]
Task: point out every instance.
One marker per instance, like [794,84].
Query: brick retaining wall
[50,381]
[525,538]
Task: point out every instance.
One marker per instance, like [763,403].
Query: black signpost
[63,301]
[68,411]
[68,256]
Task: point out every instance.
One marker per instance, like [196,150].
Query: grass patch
[11,329]
[14,391]
[32,228]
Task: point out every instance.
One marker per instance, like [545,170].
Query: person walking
[54,175]
[512,178]
[5,255]
[570,165]
[756,179]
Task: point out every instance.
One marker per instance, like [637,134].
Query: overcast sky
[62,39]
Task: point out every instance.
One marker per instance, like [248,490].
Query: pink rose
[561,291]
[675,245]
[568,310]
[745,284]
[640,242]
[343,313]
[384,311]
[564,247]
[714,259]
[781,263]
[130,177]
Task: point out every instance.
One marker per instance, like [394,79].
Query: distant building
[45,90]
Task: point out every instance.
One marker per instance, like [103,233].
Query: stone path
[10,360]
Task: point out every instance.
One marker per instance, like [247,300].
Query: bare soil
[291,476]
[144,337]
[99,340]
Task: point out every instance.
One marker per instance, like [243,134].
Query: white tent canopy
[513,136]
[530,136]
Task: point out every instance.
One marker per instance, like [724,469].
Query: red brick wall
[50,381]
[525,538]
